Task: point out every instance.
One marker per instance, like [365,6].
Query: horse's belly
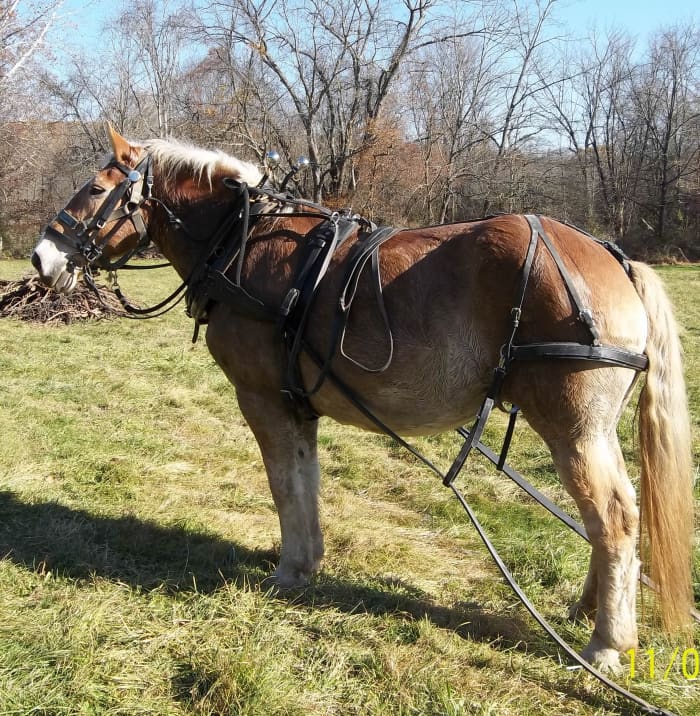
[423,396]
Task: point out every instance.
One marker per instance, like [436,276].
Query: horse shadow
[76,544]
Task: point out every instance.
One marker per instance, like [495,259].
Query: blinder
[81,233]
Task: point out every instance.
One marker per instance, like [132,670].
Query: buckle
[91,252]
[289,302]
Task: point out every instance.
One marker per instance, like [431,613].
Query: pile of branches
[29,300]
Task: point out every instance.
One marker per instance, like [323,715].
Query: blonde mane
[173,157]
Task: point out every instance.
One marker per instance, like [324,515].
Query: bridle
[87,252]
[81,234]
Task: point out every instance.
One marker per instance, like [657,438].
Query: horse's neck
[200,214]
[271,256]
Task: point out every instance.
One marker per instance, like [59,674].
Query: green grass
[137,529]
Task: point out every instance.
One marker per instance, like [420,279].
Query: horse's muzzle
[53,267]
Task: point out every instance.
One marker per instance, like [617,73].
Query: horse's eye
[97,189]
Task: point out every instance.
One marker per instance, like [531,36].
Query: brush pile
[29,300]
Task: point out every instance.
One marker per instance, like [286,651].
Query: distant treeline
[407,113]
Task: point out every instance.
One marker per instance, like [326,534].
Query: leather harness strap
[580,351]
[296,308]
[593,351]
[136,186]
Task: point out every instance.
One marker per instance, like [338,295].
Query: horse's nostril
[36,261]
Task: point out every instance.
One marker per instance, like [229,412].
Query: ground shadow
[48,536]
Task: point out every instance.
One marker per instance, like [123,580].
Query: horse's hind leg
[577,417]
[587,605]
[289,451]
[593,473]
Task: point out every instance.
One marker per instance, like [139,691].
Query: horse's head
[101,221]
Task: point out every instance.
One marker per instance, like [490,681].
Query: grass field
[137,529]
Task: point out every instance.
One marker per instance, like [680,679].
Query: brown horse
[448,293]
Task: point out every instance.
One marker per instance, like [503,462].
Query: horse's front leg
[288,446]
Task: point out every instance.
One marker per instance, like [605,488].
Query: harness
[562,349]
[224,251]
[297,305]
[511,352]
[211,282]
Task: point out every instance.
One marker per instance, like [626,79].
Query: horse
[421,345]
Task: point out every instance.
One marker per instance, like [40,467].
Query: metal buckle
[91,252]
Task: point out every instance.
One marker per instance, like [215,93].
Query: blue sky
[638,17]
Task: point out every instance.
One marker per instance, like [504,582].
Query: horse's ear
[123,151]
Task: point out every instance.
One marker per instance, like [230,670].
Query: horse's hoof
[287,579]
[604,659]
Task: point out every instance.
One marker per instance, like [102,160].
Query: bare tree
[523,75]
[154,34]
[591,111]
[22,43]
[409,113]
[667,99]
[451,88]
[22,36]
[335,62]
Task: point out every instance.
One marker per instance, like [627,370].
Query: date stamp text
[652,664]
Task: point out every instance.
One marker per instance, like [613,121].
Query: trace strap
[644,705]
